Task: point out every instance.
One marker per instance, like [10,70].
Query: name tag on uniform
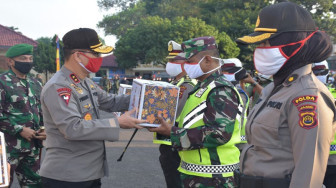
[200,92]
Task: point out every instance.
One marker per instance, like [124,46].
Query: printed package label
[153,98]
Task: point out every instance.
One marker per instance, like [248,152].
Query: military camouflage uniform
[219,118]
[20,107]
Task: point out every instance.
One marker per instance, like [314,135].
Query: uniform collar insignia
[74,78]
[290,79]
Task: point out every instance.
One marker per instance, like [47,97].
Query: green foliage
[45,55]
[144,43]
[123,4]
[148,41]
[224,19]
[120,23]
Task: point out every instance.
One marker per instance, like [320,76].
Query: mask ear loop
[293,43]
[220,64]
[182,67]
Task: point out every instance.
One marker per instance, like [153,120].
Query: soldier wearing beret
[75,150]
[209,124]
[290,128]
[169,158]
[21,116]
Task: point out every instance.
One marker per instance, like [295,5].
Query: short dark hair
[67,53]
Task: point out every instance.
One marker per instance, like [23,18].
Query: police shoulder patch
[305,98]
[65,94]
[307,116]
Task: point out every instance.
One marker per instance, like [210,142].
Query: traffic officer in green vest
[169,158]
[322,73]
[208,128]
[290,128]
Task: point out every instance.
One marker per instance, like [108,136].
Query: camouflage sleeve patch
[65,94]
[307,116]
[305,98]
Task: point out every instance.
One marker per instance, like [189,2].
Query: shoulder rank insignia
[182,89]
[74,78]
[88,116]
[65,94]
[200,92]
[304,98]
[291,78]
[307,116]
[91,86]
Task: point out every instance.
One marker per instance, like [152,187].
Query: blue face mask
[23,67]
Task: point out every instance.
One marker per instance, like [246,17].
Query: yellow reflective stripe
[266,30]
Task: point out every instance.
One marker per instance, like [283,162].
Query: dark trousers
[170,161]
[330,177]
[51,183]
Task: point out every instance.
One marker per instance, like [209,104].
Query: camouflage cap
[19,49]
[193,46]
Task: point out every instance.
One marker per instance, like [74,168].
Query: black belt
[245,181]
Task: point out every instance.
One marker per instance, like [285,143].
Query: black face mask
[23,67]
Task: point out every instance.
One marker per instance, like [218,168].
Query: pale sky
[45,18]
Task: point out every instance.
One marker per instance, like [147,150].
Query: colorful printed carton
[124,89]
[153,98]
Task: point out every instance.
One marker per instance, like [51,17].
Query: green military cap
[19,49]
[193,46]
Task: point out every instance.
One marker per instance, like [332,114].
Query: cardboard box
[153,98]
[4,181]
[125,89]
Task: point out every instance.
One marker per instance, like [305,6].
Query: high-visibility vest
[333,143]
[244,117]
[198,162]
[160,139]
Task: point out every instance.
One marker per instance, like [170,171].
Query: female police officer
[290,128]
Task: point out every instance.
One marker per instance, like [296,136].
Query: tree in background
[45,55]
[148,41]
[234,17]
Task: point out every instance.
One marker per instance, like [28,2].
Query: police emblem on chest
[200,92]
